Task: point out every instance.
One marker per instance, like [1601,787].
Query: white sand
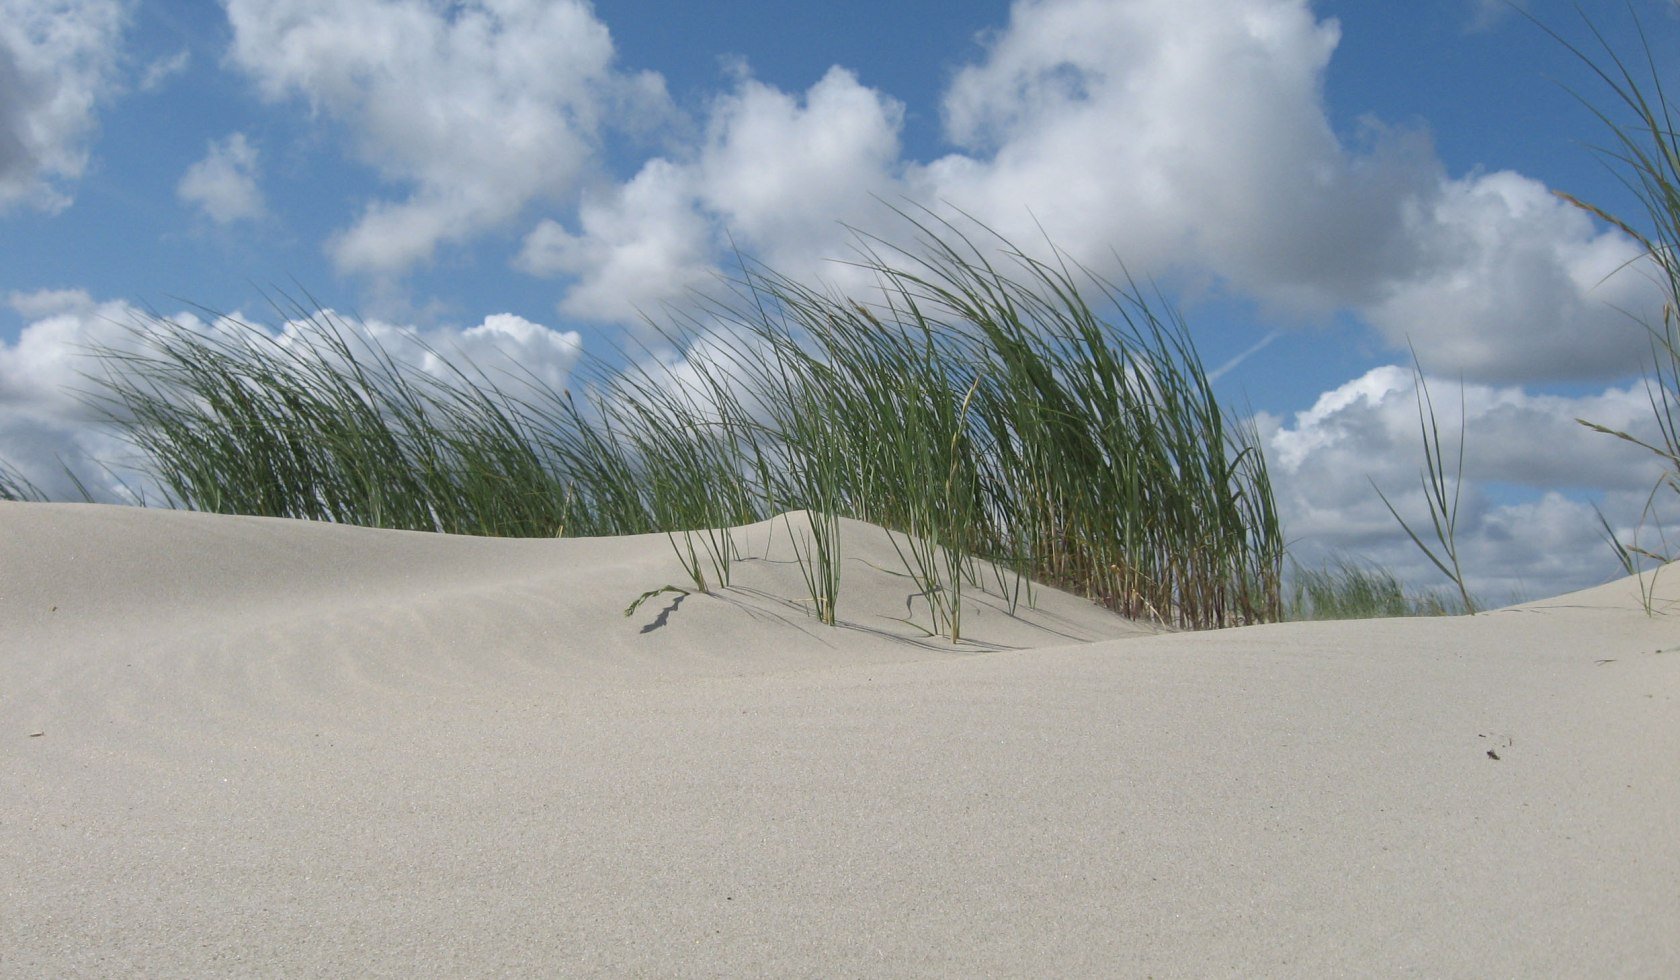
[238,745]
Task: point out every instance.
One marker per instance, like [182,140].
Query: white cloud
[224,183]
[1325,459]
[46,427]
[1516,285]
[163,69]
[504,349]
[1487,14]
[480,107]
[57,62]
[1185,137]
[639,246]
[44,369]
[1180,137]
[45,302]
[776,174]
[1192,135]
[510,350]
[783,173]
[1175,132]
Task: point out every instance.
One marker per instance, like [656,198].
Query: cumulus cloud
[504,350]
[509,349]
[224,184]
[1177,133]
[1524,525]
[1516,285]
[48,427]
[1192,135]
[1178,137]
[43,370]
[778,174]
[480,107]
[783,173]
[639,246]
[57,62]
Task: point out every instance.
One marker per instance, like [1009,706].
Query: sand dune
[243,745]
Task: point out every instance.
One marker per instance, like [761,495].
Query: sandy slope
[246,745]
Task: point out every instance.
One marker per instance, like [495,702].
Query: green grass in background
[1347,589]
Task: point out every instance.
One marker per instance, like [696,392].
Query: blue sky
[1324,181]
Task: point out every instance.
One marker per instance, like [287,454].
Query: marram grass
[1644,151]
[1025,413]
[1346,589]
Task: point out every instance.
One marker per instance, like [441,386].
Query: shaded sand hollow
[240,745]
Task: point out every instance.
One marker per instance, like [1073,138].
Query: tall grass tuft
[1645,151]
[976,402]
[13,486]
[327,425]
[1443,510]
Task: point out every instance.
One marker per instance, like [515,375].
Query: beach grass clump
[1343,588]
[323,423]
[14,486]
[1644,151]
[976,402]
[1440,493]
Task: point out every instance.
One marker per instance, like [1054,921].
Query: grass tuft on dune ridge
[974,409]
[1644,152]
